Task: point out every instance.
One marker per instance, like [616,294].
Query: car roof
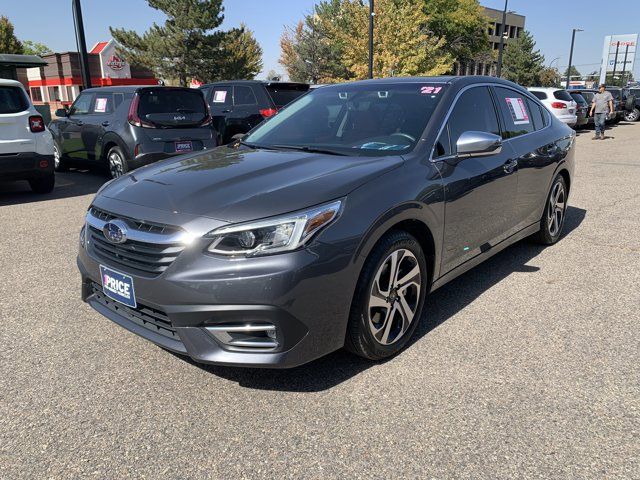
[250,82]
[128,88]
[545,89]
[10,83]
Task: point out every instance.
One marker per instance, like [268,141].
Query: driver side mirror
[476,144]
[62,112]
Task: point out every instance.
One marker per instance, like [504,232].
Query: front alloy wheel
[390,294]
[394,296]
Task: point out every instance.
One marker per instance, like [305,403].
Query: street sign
[625,45]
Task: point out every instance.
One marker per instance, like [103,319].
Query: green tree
[574,73]
[522,63]
[463,26]
[9,43]
[34,48]
[331,44]
[190,45]
[549,77]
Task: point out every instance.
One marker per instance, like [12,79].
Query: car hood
[240,185]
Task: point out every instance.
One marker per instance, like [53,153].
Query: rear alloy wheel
[117,162]
[632,115]
[552,221]
[389,297]
[60,164]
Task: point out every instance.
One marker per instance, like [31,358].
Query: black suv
[127,127]
[239,105]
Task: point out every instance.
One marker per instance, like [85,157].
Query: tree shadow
[335,368]
[73,183]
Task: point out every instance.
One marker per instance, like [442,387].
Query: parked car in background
[26,146]
[632,114]
[329,224]
[123,128]
[559,102]
[582,110]
[619,104]
[239,105]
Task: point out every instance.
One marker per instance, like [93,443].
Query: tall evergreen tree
[9,43]
[522,63]
[575,74]
[190,45]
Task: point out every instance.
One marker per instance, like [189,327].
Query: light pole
[573,39]
[501,33]
[82,44]
[371,15]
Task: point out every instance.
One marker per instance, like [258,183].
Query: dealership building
[60,81]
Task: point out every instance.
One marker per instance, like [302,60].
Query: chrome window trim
[146,237]
[485,84]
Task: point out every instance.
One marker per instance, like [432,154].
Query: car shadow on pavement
[73,183]
[335,368]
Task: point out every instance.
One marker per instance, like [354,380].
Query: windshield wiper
[255,146]
[306,148]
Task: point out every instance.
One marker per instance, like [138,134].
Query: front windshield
[357,119]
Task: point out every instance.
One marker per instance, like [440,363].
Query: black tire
[549,232]
[60,162]
[359,338]
[632,115]
[43,184]
[119,167]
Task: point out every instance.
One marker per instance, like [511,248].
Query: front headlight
[278,234]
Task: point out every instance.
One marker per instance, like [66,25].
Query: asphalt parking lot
[525,367]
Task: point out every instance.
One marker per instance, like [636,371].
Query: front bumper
[25,166]
[306,294]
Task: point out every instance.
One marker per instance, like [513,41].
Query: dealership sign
[111,64]
[625,46]
[116,63]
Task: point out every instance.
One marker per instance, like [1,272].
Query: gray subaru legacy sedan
[328,224]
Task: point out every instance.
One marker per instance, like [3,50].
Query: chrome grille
[147,317]
[150,247]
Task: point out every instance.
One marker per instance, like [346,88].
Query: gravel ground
[527,367]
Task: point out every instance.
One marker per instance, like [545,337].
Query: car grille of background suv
[147,317]
[146,256]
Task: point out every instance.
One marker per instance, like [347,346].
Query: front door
[72,141]
[480,191]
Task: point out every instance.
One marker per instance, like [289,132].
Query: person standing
[602,101]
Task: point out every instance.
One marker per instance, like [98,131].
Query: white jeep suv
[26,145]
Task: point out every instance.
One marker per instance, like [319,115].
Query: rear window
[540,95]
[12,100]
[578,98]
[282,94]
[562,95]
[172,107]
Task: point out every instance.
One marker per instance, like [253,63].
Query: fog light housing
[246,337]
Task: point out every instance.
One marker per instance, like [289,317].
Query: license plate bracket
[184,146]
[118,286]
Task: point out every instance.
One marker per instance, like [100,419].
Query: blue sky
[50,22]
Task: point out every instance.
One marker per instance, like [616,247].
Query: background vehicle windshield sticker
[219,96]
[518,111]
[101,105]
[426,90]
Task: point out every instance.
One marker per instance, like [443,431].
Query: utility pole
[501,47]
[371,15]
[573,39]
[82,44]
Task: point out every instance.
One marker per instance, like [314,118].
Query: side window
[443,145]
[82,105]
[474,111]
[221,96]
[118,98]
[103,103]
[536,114]
[515,113]
[243,96]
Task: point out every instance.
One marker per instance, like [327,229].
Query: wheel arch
[109,141]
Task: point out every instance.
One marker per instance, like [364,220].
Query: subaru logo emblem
[115,231]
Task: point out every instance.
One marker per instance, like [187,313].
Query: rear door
[480,191]
[15,136]
[221,106]
[96,122]
[71,138]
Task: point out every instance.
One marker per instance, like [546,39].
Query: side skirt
[469,264]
